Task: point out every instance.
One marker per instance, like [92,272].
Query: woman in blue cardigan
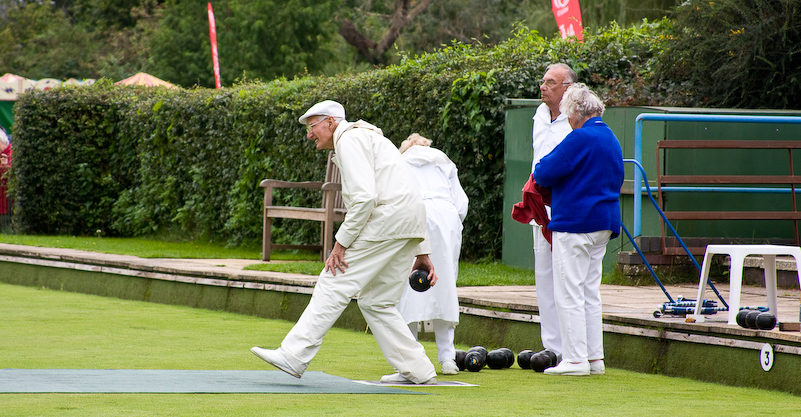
[584,173]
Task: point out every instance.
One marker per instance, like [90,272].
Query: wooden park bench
[331,210]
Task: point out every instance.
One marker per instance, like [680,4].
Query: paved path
[635,302]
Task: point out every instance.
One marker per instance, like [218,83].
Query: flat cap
[324,108]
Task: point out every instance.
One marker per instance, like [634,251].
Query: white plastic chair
[738,254]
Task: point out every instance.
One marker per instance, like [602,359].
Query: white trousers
[577,267]
[543,276]
[443,334]
[377,273]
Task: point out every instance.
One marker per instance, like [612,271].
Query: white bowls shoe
[276,359]
[449,367]
[597,368]
[397,378]
[570,369]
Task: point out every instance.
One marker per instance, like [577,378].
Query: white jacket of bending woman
[446,208]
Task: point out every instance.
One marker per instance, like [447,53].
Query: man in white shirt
[550,127]
[383,231]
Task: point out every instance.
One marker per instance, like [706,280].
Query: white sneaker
[397,378]
[570,368]
[597,368]
[449,367]
[276,359]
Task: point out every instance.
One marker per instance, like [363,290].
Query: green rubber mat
[180,381]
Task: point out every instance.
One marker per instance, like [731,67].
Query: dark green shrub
[69,166]
[738,53]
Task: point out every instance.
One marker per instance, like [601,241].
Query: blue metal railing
[638,178]
[708,308]
[647,188]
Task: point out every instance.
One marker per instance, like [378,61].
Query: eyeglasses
[552,83]
[311,126]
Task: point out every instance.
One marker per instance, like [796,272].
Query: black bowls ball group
[756,319]
[524,358]
[765,321]
[474,361]
[543,360]
[460,356]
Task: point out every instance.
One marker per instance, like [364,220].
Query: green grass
[149,248]
[492,273]
[47,329]
[470,274]
[308,268]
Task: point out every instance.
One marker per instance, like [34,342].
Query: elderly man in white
[383,231]
[550,126]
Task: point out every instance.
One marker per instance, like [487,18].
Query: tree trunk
[354,37]
[374,51]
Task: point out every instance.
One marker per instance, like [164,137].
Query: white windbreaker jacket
[378,190]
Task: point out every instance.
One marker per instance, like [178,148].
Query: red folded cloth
[535,198]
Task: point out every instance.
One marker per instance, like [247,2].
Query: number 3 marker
[766,357]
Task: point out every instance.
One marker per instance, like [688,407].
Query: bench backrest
[332,174]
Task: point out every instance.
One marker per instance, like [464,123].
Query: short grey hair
[580,102]
[571,75]
[412,140]
[324,116]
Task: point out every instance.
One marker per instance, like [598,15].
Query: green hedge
[186,164]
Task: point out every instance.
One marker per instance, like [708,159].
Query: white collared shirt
[546,134]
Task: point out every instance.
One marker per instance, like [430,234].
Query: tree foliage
[76,39]
[115,39]
[257,38]
[738,53]
[402,14]
[264,39]
[599,13]
[40,42]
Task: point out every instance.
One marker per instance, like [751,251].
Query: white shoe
[570,368]
[597,368]
[276,359]
[397,378]
[449,367]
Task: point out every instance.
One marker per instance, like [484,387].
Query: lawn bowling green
[493,317]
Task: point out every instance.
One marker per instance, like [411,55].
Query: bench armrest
[269,183]
[331,186]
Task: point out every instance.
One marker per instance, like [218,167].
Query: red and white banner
[214,57]
[568,18]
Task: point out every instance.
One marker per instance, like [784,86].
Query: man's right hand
[336,260]
[424,262]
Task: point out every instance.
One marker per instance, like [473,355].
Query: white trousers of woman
[377,274]
[577,270]
[443,334]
